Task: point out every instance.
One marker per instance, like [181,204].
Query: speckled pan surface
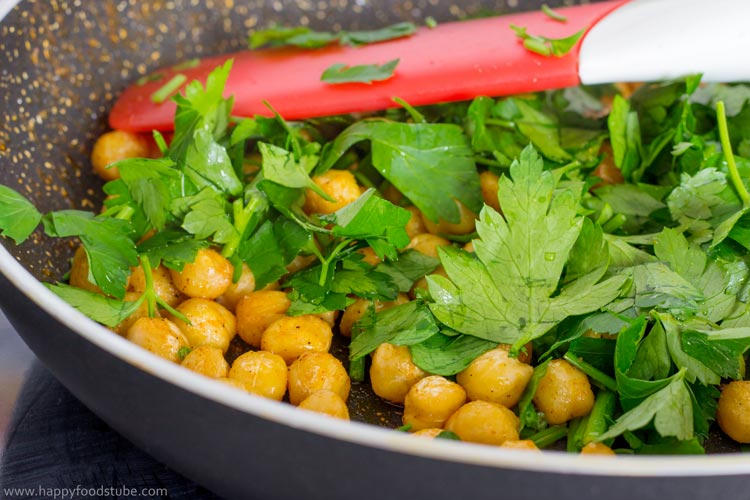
[61,65]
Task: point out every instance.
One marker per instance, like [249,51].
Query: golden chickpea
[162,283]
[158,335]
[206,278]
[564,393]
[432,433]
[484,422]
[392,194]
[421,283]
[427,244]
[262,373]
[339,185]
[357,310]
[465,224]
[733,412]
[236,383]
[300,262]
[141,312]
[495,377]
[415,225]
[79,272]
[521,444]
[431,401]
[210,323]
[326,402]
[291,337]
[392,372]
[237,291]
[207,360]
[488,183]
[257,311]
[469,247]
[115,146]
[607,171]
[329,317]
[316,371]
[597,449]
[370,257]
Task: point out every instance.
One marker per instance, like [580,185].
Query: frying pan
[62,63]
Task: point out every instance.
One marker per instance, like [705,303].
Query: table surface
[53,441]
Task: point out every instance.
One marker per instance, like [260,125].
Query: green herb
[448,435]
[278,36]
[447,355]
[183,352]
[104,310]
[548,47]
[430,22]
[365,73]
[169,88]
[552,14]
[18,216]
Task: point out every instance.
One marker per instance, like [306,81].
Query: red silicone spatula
[462,60]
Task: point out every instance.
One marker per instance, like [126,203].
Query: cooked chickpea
[206,278]
[158,335]
[369,256]
[262,373]
[237,291]
[597,449]
[415,225]
[315,371]
[357,310]
[291,337]
[733,412]
[210,323]
[431,401]
[391,193]
[392,372]
[427,243]
[521,444]
[484,422]
[326,402]
[488,183]
[115,146]
[339,185]
[300,262]
[257,311]
[469,247]
[162,283]
[432,433]
[79,272]
[495,377]
[329,317]
[236,383]
[564,393]
[207,360]
[141,312]
[465,224]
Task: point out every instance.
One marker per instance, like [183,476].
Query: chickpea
[488,183]
[79,272]
[421,283]
[431,401]
[607,171]
[291,337]
[484,422]
[521,444]
[114,146]
[339,185]
[207,360]
[391,193]
[210,323]
[316,371]
[469,247]
[357,310]
[326,402]
[141,312]
[597,449]
[369,256]
[432,432]
[257,311]
[415,225]
[465,224]
[158,335]
[564,393]
[237,291]
[392,372]
[261,373]
[300,262]
[495,377]
[206,278]
[329,317]
[733,412]
[427,244]
[162,283]
[236,383]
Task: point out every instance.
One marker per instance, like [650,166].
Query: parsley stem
[601,415]
[325,263]
[597,375]
[149,292]
[549,436]
[500,123]
[169,88]
[242,215]
[726,146]
[415,115]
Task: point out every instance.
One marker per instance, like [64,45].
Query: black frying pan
[61,66]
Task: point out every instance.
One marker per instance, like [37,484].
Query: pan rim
[356,432]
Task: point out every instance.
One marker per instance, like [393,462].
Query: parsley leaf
[105,310]
[151,183]
[18,216]
[409,267]
[363,73]
[545,46]
[447,355]
[509,294]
